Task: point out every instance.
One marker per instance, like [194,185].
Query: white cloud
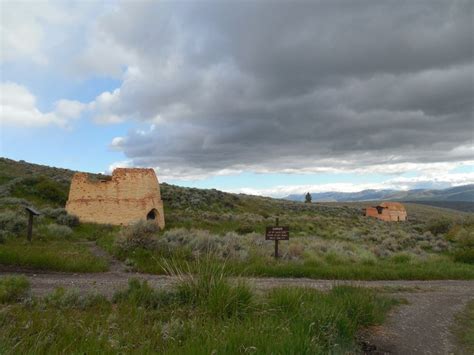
[102,108]
[102,55]
[120,164]
[439,180]
[116,143]
[18,108]
[69,108]
[30,28]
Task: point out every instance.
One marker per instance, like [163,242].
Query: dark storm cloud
[297,85]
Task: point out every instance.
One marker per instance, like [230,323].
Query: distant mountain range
[463,193]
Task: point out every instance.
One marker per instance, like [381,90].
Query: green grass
[464,330]
[379,270]
[13,288]
[92,231]
[465,255]
[435,268]
[186,320]
[55,255]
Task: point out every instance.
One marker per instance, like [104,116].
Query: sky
[261,97]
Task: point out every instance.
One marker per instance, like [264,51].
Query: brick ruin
[387,211]
[130,195]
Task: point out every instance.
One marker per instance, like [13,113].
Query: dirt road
[420,327]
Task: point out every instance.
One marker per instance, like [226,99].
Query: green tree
[307,198]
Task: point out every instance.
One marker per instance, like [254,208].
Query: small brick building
[387,211]
[130,195]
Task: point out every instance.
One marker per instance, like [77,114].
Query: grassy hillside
[330,240]
[463,206]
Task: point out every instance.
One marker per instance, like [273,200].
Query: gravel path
[423,326]
[420,327]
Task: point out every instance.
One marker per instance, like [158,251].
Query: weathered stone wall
[395,215]
[129,196]
[371,212]
[388,213]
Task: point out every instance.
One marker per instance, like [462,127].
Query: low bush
[13,222]
[50,191]
[465,255]
[68,220]
[13,201]
[3,236]
[465,238]
[139,235]
[401,258]
[58,231]
[53,212]
[439,226]
[245,230]
[203,242]
[13,288]
[39,189]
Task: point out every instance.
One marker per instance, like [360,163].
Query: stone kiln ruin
[130,195]
[387,211]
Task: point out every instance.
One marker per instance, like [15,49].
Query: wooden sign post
[277,233]
[31,213]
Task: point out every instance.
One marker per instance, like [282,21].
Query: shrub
[233,248]
[178,237]
[3,236]
[5,201]
[68,220]
[53,212]
[174,330]
[56,230]
[204,242]
[13,222]
[465,238]
[245,229]
[464,255]
[440,226]
[50,191]
[139,235]
[295,250]
[13,288]
[401,258]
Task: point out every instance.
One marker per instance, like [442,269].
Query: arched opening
[152,215]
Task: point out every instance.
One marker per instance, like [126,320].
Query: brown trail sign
[277,233]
